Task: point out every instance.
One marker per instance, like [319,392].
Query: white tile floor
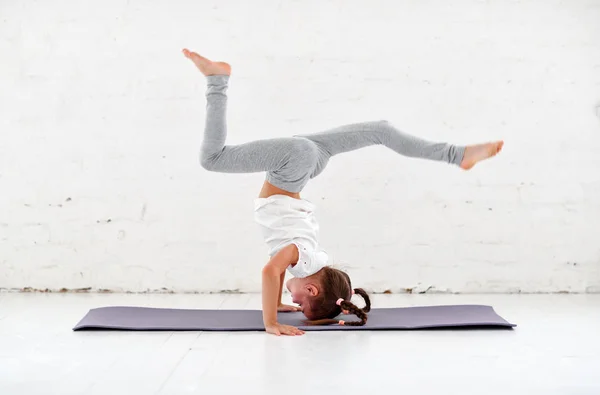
[554,350]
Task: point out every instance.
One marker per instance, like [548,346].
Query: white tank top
[284,220]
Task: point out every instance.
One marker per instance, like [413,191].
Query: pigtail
[351,308]
[363,294]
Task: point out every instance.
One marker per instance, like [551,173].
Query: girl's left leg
[358,135]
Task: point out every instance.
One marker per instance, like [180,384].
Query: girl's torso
[285,218]
[270,190]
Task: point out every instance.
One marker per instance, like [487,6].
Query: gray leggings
[290,162]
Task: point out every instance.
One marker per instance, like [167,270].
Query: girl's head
[319,295]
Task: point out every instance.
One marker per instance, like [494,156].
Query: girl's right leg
[288,162]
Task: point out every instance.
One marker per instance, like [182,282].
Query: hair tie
[352,292]
[341,322]
[339,301]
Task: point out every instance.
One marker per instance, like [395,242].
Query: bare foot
[479,152]
[206,66]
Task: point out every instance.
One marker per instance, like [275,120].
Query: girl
[287,221]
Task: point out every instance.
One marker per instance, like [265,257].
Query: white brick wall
[101,119]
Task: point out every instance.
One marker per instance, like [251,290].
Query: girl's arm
[281,306]
[281,280]
[271,288]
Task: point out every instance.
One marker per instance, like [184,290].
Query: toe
[197,57]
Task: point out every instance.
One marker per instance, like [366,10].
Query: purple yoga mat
[157,319]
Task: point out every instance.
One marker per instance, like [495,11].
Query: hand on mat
[286,308]
[280,329]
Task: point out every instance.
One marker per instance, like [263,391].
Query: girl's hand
[286,308]
[278,329]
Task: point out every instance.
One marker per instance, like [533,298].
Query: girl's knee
[385,130]
[207,161]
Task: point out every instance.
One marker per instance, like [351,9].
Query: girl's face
[302,289]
